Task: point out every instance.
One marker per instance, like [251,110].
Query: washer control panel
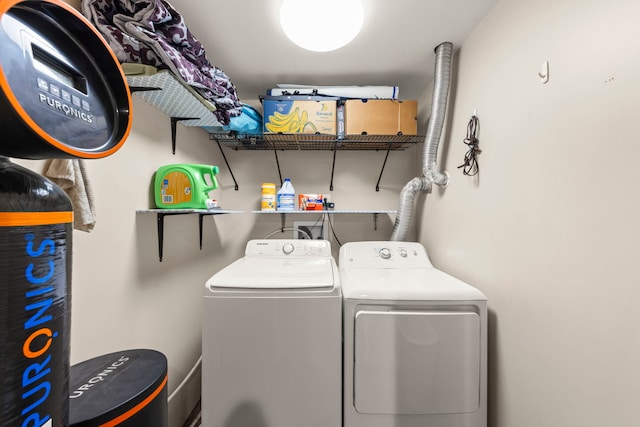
[288,247]
[384,254]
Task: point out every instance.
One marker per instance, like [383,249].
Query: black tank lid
[105,387]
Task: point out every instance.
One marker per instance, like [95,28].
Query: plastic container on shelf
[185,186]
[268,197]
[286,196]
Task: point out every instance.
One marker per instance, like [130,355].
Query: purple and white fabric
[152,32]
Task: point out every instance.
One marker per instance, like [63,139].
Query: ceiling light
[321,25]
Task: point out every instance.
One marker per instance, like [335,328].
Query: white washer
[272,338]
[415,340]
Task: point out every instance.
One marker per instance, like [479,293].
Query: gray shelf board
[223,211]
[187,211]
[333,211]
[174,99]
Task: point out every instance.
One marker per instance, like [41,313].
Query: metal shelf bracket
[333,164]
[226,162]
[383,165]
[160,220]
[174,122]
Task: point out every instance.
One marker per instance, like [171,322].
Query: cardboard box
[380,117]
[310,202]
[299,114]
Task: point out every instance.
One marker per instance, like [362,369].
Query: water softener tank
[35,272]
[62,95]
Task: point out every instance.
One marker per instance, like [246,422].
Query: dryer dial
[384,253]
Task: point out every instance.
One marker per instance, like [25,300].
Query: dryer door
[416,362]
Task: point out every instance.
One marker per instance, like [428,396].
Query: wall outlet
[315,229]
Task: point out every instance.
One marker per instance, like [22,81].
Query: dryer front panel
[416,362]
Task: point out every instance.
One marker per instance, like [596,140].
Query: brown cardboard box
[380,117]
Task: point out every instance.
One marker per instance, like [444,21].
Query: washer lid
[276,273]
[426,284]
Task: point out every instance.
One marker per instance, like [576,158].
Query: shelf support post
[160,219]
[333,164]
[227,163]
[174,122]
[275,153]
[133,89]
[383,165]
[200,216]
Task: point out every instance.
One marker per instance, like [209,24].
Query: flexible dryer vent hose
[432,140]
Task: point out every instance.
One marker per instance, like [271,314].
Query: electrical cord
[281,230]
[186,379]
[333,231]
[320,218]
[470,166]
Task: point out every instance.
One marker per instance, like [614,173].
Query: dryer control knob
[385,253]
[287,248]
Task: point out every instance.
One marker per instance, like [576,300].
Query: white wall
[124,298]
[549,230]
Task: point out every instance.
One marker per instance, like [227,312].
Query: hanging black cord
[470,166]
[333,231]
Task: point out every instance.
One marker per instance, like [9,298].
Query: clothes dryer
[272,338]
[415,340]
